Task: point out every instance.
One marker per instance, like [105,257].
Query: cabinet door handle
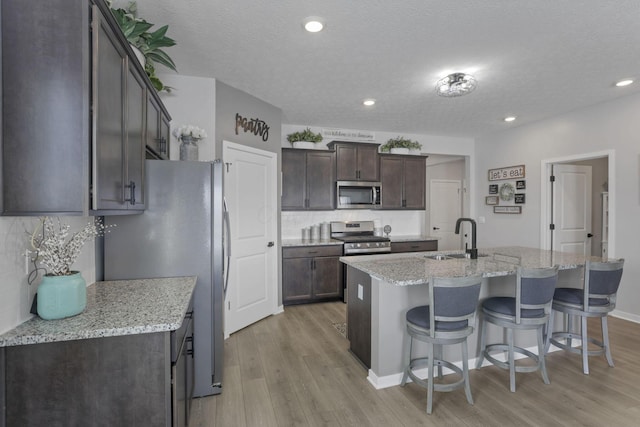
[270,244]
[190,352]
[132,187]
[436,228]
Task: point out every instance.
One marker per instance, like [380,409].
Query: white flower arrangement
[189,131]
[53,248]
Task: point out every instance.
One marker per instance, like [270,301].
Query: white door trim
[545,194]
[273,160]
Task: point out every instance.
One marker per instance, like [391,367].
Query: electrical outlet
[27,260]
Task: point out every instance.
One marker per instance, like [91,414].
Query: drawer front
[417,246]
[311,251]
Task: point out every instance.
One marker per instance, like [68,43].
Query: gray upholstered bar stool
[529,309]
[596,299]
[447,320]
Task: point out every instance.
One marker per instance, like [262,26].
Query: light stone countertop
[309,242]
[415,268]
[114,308]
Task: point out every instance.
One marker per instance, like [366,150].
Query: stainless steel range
[359,238]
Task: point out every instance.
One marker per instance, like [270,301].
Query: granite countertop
[309,242]
[415,268]
[114,308]
[411,238]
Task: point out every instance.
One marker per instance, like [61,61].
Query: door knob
[589,235]
[436,228]
[270,244]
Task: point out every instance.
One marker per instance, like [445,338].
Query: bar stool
[596,299]
[452,310]
[529,309]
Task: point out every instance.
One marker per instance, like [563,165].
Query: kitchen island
[123,361]
[382,288]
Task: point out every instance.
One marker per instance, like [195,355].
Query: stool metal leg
[465,371]
[605,340]
[585,346]
[512,366]
[430,380]
[549,328]
[483,345]
[407,358]
[438,356]
[541,355]
[569,328]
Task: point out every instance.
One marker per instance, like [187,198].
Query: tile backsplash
[401,222]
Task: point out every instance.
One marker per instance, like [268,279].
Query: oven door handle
[374,196]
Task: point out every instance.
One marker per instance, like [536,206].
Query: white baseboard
[626,316]
[395,379]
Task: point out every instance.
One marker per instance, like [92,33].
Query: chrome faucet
[473,252]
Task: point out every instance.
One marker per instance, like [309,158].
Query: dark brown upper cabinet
[403,181]
[356,161]
[74,113]
[308,179]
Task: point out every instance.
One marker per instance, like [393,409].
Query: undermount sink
[442,257]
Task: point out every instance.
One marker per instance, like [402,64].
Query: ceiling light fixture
[456,84]
[313,24]
[622,83]
[509,119]
[369,102]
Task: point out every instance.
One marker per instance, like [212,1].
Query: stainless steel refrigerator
[180,234]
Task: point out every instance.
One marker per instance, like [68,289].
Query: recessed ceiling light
[369,102]
[509,119]
[313,24]
[624,82]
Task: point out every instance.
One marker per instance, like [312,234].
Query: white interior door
[571,209]
[250,188]
[445,204]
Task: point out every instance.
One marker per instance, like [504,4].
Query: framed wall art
[507,209]
[521,185]
[492,200]
[493,188]
[518,198]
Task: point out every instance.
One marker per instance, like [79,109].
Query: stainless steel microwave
[358,195]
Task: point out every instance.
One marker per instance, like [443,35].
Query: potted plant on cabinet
[149,44]
[400,145]
[304,139]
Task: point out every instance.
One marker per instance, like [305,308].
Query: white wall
[608,126]
[15,294]
[192,101]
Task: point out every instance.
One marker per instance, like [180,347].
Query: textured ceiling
[533,59]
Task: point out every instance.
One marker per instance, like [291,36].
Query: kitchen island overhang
[397,282]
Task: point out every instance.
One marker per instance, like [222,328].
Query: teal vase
[62,296]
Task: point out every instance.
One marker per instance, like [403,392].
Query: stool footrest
[420,361]
[505,365]
[574,336]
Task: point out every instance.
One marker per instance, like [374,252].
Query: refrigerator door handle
[227,246]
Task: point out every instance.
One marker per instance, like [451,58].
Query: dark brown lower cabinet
[132,380]
[359,314]
[414,246]
[311,274]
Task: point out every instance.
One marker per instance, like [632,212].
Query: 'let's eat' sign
[511,172]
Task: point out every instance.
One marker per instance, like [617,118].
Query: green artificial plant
[400,142]
[305,135]
[138,33]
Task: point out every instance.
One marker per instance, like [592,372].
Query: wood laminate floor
[293,369]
